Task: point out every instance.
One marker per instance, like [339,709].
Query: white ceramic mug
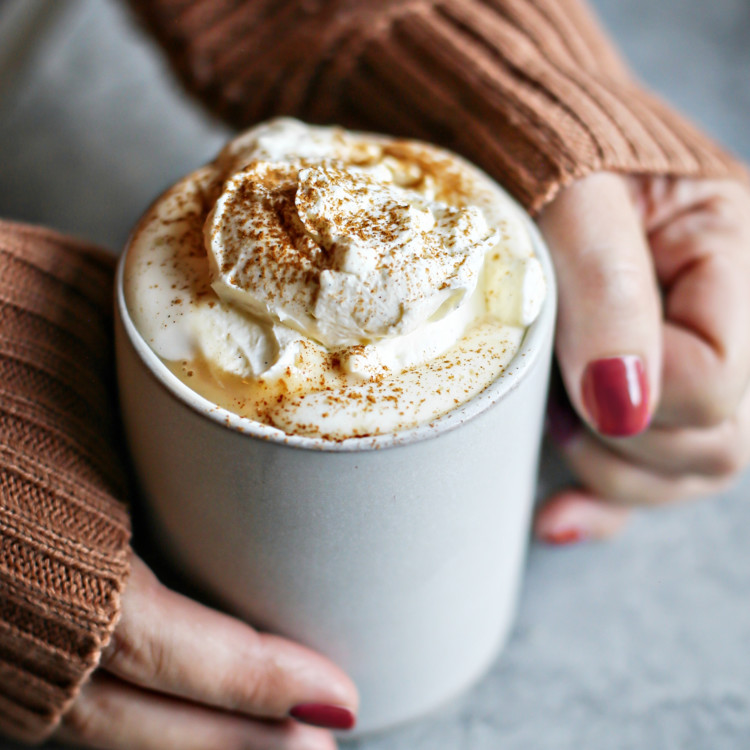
[398,556]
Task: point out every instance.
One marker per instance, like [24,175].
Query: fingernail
[562,537]
[323,715]
[563,423]
[615,394]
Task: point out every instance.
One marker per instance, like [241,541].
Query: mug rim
[531,348]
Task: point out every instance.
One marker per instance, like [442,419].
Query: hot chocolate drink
[333,284]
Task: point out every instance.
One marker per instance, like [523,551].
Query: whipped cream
[334,283]
[341,254]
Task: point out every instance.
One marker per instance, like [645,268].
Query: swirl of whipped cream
[340,253]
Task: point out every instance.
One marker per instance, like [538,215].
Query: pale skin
[647,267]
[657,268]
[181,676]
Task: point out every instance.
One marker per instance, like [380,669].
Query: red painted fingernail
[563,423]
[615,394]
[564,536]
[323,715]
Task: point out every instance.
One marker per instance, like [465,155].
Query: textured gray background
[643,642]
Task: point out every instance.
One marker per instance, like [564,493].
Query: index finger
[171,644]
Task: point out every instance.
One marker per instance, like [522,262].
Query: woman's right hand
[178,674]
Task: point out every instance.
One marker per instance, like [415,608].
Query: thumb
[609,325]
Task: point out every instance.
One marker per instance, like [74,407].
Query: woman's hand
[653,345]
[180,675]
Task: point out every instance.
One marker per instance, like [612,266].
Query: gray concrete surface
[643,642]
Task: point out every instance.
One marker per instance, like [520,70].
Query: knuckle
[143,660]
[266,687]
[157,660]
[258,683]
[621,283]
[704,393]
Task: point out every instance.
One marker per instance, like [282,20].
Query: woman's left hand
[653,345]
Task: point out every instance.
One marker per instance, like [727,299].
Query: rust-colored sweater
[528,89]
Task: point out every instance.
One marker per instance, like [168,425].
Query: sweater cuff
[63,533]
[530,90]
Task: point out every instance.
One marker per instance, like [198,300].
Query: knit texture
[63,534]
[530,90]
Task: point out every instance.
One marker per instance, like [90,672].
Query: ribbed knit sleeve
[531,90]
[63,532]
